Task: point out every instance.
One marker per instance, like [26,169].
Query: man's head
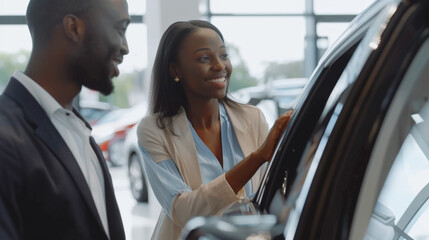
[90,33]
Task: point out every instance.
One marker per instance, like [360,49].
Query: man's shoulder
[12,119]
[9,108]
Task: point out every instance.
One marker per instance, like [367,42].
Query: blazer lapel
[182,147]
[47,133]
[241,125]
[114,219]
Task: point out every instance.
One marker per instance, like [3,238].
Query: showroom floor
[139,219]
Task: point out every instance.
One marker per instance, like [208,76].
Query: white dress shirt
[77,137]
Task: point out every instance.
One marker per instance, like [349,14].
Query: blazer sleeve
[207,199]
[10,191]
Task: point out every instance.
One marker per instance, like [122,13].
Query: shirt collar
[45,100]
[222,111]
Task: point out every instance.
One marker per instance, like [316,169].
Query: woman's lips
[217,80]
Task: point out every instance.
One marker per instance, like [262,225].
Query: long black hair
[167,96]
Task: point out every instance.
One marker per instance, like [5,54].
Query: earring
[176,79]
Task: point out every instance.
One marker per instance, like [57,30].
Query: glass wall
[271,39]
[268,40]
[256,6]
[260,45]
[15,48]
[340,6]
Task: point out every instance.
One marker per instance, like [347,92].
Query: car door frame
[331,201]
[288,154]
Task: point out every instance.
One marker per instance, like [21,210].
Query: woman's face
[203,65]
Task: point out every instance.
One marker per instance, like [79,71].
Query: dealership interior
[274,46]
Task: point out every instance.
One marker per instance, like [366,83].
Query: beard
[91,69]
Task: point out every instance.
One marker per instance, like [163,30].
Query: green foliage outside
[240,77]
[124,84]
[9,62]
[292,69]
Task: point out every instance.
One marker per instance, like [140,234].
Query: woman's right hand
[265,152]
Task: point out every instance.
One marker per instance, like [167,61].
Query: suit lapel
[114,219]
[46,131]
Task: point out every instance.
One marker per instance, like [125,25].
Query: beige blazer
[251,130]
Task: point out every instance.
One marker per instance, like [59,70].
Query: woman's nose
[218,65]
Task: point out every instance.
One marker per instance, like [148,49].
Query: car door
[282,170]
[323,203]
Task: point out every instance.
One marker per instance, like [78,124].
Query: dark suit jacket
[43,193]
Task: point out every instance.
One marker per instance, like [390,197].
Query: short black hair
[167,96]
[43,15]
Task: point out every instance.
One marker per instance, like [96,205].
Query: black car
[354,160]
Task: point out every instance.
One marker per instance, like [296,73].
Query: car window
[402,206]
[91,114]
[324,145]
[283,169]
[306,115]
[401,210]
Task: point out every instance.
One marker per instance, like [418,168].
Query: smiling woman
[201,150]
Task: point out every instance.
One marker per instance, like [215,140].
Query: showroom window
[272,39]
[15,47]
[278,39]
[340,6]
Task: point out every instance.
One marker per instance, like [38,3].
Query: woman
[202,151]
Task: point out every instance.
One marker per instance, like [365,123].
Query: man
[54,182]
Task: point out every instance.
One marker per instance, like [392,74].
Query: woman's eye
[204,59]
[225,56]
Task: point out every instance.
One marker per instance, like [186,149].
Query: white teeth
[217,80]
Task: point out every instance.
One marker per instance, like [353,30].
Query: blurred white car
[138,183]
[92,111]
[286,90]
[273,98]
[111,130]
[139,186]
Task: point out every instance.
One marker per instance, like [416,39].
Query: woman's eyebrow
[207,49]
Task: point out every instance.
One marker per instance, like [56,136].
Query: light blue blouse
[165,178]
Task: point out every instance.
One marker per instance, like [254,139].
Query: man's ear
[74,28]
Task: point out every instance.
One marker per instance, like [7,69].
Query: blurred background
[274,45]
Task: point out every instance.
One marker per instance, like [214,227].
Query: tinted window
[401,210]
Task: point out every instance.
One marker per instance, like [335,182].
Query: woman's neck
[203,114]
